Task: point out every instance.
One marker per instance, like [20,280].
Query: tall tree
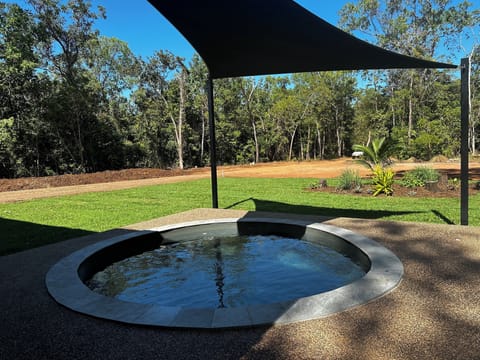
[21,153]
[68,28]
[474,121]
[422,28]
[114,73]
[371,116]
[327,100]
[255,103]
[164,79]
[157,72]
[198,103]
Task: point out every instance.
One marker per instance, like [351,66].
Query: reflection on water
[227,272]
[219,272]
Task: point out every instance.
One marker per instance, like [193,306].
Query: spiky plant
[374,154]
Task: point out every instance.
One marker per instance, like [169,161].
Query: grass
[33,223]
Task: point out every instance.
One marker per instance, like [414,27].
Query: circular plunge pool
[225,273]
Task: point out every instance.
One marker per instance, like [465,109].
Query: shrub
[410,180]
[383,180]
[349,179]
[453,184]
[321,184]
[419,176]
[477,185]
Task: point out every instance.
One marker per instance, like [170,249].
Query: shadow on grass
[442,217]
[273,206]
[20,235]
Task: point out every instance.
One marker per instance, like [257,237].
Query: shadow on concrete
[432,314]
[21,235]
[435,305]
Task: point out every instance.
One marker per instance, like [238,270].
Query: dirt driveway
[32,188]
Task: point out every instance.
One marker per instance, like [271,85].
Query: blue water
[227,272]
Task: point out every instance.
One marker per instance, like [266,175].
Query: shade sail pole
[465,115]
[213,143]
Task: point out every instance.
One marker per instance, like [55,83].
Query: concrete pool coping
[385,273]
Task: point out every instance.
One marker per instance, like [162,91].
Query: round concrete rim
[385,274]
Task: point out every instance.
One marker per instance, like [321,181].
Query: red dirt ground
[111,180]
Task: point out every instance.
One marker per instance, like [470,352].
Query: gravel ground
[433,314]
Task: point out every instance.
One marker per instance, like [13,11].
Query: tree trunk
[79,141]
[248,99]
[301,154]
[410,111]
[307,149]
[393,109]
[255,139]
[181,118]
[319,140]
[474,140]
[291,144]
[202,140]
[338,134]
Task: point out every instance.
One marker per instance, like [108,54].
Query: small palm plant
[375,158]
[374,154]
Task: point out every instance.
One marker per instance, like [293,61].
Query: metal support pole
[465,114]
[213,145]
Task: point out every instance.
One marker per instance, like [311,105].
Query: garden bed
[443,191]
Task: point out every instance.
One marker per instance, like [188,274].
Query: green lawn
[33,223]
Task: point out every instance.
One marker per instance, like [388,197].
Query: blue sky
[145,30]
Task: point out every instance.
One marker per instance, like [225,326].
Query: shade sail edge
[252,37]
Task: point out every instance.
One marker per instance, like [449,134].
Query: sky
[145,30]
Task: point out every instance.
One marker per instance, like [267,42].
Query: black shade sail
[260,37]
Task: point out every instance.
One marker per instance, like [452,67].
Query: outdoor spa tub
[223,273]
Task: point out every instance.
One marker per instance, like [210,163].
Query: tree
[473,138]
[114,73]
[20,93]
[421,28]
[327,111]
[68,29]
[173,94]
[198,100]
[371,119]
[234,141]
[249,89]
[288,112]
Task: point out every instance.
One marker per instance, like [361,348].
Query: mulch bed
[90,178]
[442,191]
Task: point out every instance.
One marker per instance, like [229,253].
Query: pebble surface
[433,314]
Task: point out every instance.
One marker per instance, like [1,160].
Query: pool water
[227,272]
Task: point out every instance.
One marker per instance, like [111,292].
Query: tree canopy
[73,100]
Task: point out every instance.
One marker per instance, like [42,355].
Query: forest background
[74,101]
